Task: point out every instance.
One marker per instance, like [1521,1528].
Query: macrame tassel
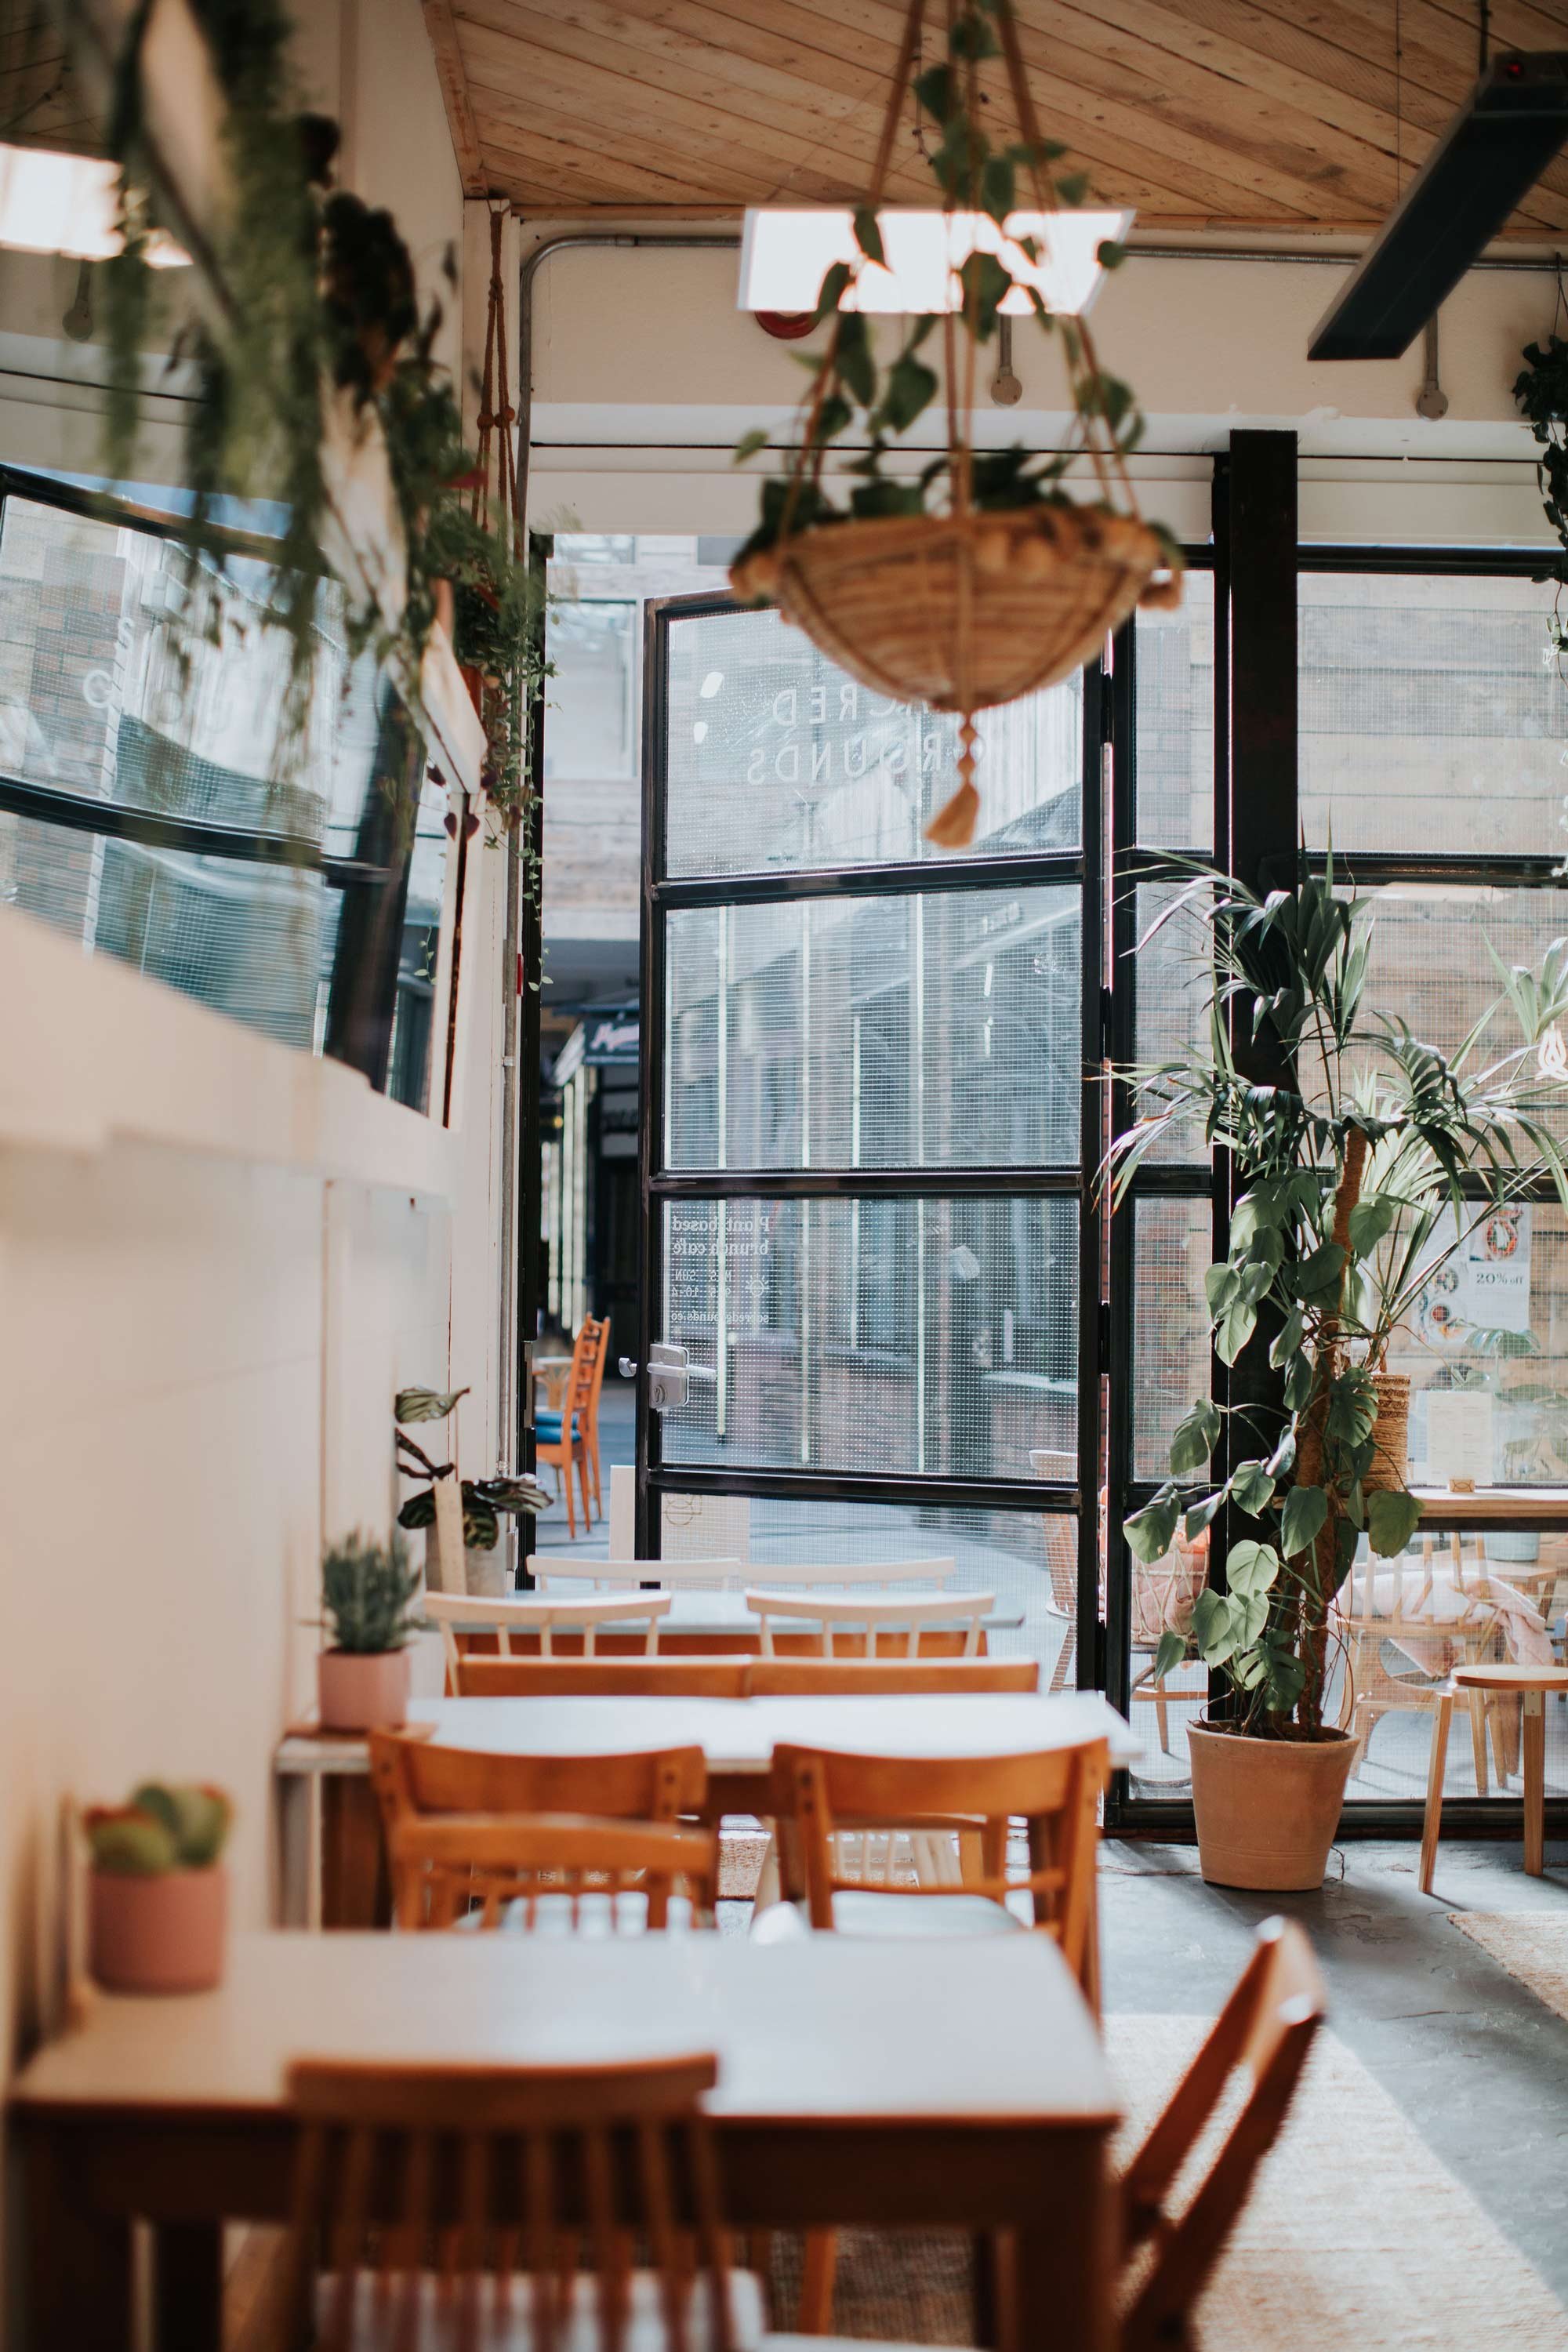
[952,826]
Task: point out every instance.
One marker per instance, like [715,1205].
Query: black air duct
[1488,160]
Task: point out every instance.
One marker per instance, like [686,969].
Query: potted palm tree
[1359,1172]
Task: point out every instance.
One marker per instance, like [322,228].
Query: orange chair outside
[562,1438]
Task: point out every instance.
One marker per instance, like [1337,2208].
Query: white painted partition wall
[218,1261]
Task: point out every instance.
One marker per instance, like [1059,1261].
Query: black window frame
[1161,1817]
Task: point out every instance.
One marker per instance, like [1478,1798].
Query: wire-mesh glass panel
[778,760]
[1172,1243]
[1174,689]
[127,675]
[1172,980]
[910,1338]
[254,942]
[929,1029]
[1432,716]
[1028,1559]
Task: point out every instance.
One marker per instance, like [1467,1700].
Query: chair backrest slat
[479,1676]
[889,1677]
[414,1775]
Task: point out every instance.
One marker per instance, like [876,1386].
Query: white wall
[202,1334]
[645,375]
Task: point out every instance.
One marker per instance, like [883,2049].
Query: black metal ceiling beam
[1486,163]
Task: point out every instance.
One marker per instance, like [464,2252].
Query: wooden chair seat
[432,2310]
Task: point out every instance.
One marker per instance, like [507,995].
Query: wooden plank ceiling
[1240,114]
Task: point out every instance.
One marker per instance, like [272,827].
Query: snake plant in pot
[1362,1159]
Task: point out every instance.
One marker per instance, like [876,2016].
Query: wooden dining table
[958,2085]
[329,1831]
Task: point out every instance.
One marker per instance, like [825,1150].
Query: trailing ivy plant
[1541,394]
[1346,1173]
[857,387]
[320,298]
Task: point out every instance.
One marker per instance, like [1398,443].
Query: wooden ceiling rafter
[1283,115]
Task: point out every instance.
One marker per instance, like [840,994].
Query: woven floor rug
[1356,2237]
[1531,1945]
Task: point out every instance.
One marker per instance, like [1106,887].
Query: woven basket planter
[1390,1435]
[961,611]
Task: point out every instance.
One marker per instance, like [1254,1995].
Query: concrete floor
[1477,2063]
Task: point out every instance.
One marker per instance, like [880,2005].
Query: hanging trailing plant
[1541,394]
[982,578]
[319,321]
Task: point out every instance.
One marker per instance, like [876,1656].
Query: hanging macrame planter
[1012,585]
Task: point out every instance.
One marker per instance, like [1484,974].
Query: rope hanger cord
[493,381]
[1091,434]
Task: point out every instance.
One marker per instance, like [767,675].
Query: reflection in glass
[132,681]
[1175,676]
[1172,1245]
[1432,717]
[590,730]
[928,1336]
[928,1029]
[776,759]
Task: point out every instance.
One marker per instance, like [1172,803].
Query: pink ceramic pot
[163,1934]
[362,1691]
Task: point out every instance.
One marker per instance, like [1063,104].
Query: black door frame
[662,895]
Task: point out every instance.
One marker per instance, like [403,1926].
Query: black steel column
[1256,537]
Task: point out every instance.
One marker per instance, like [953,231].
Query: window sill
[91,1052]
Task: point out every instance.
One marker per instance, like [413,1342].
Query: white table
[736,1736]
[836,2102]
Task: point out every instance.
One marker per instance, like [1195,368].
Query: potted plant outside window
[158,1894]
[370,1605]
[1346,1168]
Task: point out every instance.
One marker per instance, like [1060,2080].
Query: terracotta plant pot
[1267,1808]
[161,1934]
[363,1690]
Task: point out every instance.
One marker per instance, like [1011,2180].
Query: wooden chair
[561,1439]
[876,1620]
[1370,1627]
[1264,2034]
[425,2187]
[1476,1684]
[478,1676]
[889,1677]
[835,1869]
[817,1796]
[538,1619]
[591,1416]
[552,1874]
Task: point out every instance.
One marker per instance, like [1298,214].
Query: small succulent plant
[165,1826]
[370,1595]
